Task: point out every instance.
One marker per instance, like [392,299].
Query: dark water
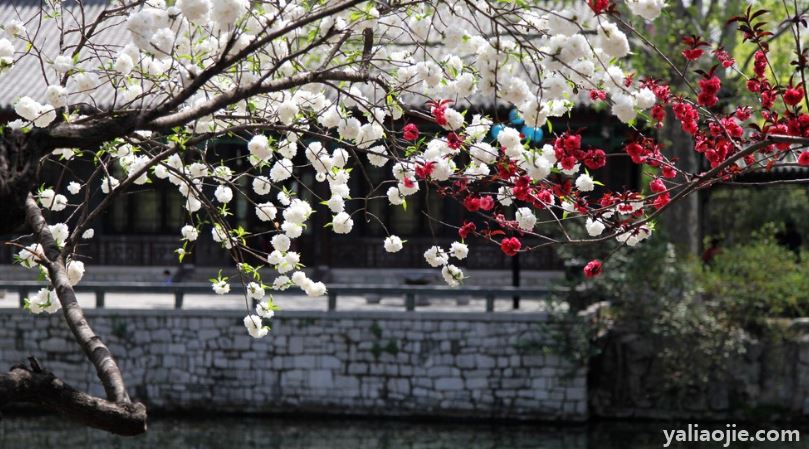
[50,432]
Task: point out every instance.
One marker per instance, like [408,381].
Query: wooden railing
[179,290]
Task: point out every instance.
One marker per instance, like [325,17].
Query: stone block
[321,379]
[449,384]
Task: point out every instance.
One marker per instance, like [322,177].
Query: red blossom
[522,188]
[661,201]
[669,172]
[803,158]
[506,170]
[693,50]
[693,53]
[707,100]
[760,64]
[628,80]
[439,109]
[593,268]
[662,92]
[598,95]
[793,95]
[657,185]
[409,183]
[688,117]
[710,85]
[709,88]
[595,159]
[732,128]
[658,114]
[724,57]
[487,203]
[599,6]
[467,229]
[411,132]
[567,149]
[510,246]
[636,152]
[799,126]
[454,141]
[768,96]
[471,203]
[607,200]
[545,197]
[423,171]
[743,112]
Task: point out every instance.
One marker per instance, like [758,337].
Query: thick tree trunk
[18,166]
[117,414]
[681,220]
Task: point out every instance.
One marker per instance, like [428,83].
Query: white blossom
[255,327]
[14,28]
[223,194]
[60,233]
[393,244]
[227,12]
[52,200]
[585,183]
[261,185]
[29,256]
[281,170]
[195,11]
[342,223]
[75,271]
[259,148]
[435,256]
[525,219]
[648,9]
[280,242]
[62,63]
[594,227]
[459,250]
[264,311]
[266,211]
[221,287]
[255,290]
[452,275]
[45,300]
[108,184]
[189,233]
[56,95]
[74,188]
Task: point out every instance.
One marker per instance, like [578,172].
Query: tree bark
[682,220]
[118,413]
[41,387]
[18,165]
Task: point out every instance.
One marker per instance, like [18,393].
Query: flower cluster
[318,89]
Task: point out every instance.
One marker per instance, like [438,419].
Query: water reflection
[48,432]
[273,433]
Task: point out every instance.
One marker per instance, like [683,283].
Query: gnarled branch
[95,349]
[41,387]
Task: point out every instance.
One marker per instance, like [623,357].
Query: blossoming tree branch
[135,92]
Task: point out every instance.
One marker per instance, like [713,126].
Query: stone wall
[388,363]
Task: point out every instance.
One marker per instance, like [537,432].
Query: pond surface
[231,432]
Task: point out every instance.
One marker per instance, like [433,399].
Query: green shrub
[757,279]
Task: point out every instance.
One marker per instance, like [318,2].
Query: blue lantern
[515,118]
[495,131]
[532,134]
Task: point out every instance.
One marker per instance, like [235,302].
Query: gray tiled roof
[28,76]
